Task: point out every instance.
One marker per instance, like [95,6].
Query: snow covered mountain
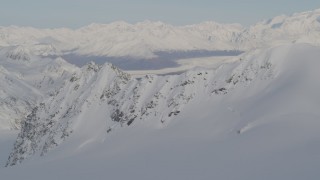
[26,80]
[268,95]
[143,40]
[120,39]
[106,91]
[298,28]
[255,116]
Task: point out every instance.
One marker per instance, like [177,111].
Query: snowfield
[247,117]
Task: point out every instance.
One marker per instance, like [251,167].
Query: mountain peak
[19,53]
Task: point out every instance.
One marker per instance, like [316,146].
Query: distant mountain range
[143,40]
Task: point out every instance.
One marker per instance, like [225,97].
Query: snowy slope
[257,117]
[26,80]
[17,99]
[103,89]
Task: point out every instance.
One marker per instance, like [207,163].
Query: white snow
[255,116]
[265,126]
[142,40]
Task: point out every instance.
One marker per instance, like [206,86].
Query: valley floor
[187,64]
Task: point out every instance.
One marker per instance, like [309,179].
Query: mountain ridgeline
[143,40]
[111,96]
[260,106]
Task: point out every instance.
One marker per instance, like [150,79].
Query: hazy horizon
[75,14]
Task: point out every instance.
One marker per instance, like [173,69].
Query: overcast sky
[77,13]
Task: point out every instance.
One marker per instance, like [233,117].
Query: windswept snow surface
[255,118]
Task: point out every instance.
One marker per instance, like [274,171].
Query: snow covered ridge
[26,80]
[299,28]
[98,100]
[142,40]
[260,112]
